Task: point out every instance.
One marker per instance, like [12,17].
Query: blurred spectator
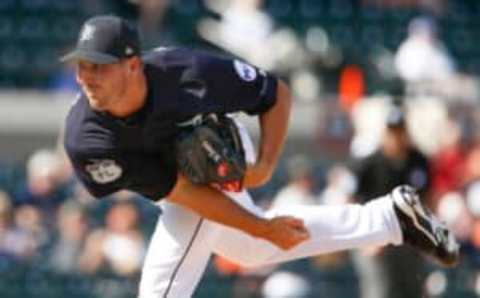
[41,172]
[427,119]
[248,32]
[119,247]
[152,23]
[6,226]
[44,186]
[243,28]
[299,189]
[422,58]
[472,190]
[28,234]
[341,185]
[453,210]
[472,164]
[5,210]
[387,273]
[448,163]
[72,228]
[284,284]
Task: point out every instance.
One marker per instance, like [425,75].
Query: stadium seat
[34,5]
[372,34]
[6,27]
[312,9]
[462,40]
[343,35]
[64,30]
[341,9]
[12,57]
[371,13]
[7,5]
[41,62]
[65,6]
[32,28]
[281,11]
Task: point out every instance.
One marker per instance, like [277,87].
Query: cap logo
[245,71]
[87,33]
[128,50]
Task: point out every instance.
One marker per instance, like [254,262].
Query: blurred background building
[348,63]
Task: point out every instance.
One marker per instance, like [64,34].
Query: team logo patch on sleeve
[245,71]
[104,171]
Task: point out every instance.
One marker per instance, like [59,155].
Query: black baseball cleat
[421,229]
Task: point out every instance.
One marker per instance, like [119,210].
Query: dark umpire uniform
[396,162]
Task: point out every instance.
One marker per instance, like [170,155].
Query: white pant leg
[177,256]
[183,242]
[332,228]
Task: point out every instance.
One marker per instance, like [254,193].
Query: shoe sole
[409,204]
[413,208]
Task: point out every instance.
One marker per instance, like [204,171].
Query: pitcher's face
[103,84]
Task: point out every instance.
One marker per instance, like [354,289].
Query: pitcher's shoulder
[84,128]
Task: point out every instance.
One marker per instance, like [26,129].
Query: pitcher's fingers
[303,234]
[295,221]
[298,239]
[299,225]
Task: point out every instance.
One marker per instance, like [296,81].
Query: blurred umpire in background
[388,271]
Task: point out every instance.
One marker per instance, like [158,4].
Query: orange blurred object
[351,86]
[227,267]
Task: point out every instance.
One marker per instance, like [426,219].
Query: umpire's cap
[105,39]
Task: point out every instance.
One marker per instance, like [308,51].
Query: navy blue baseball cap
[104,40]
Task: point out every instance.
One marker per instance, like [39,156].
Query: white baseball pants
[183,242]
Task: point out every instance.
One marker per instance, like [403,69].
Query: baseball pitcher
[157,124]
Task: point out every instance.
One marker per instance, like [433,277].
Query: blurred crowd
[396,86]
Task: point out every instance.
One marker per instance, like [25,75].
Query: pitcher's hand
[286,232]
